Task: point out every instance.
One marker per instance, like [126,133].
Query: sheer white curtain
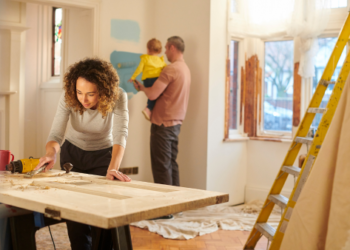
[267,17]
[301,19]
[308,20]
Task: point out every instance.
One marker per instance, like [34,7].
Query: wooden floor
[219,240]
[144,240]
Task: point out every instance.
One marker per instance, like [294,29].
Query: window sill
[271,139]
[236,139]
[3,93]
[53,83]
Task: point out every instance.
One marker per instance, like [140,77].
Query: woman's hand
[49,159]
[52,148]
[115,174]
[112,172]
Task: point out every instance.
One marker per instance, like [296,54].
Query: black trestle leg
[122,238]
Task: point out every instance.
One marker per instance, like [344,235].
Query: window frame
[260,127]
[53,26]
[48,80]
[336,21]
[329,35]
[342,8]
[236,133]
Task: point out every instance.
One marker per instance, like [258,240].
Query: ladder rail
[302,132]
[314,150]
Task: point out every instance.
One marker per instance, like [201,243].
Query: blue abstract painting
[126,63]
[125,30]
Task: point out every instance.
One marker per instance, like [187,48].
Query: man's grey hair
[178,43]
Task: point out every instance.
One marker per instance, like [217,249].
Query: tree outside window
[233,85]
[325,49]
[278,88]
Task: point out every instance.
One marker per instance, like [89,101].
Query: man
[171,90]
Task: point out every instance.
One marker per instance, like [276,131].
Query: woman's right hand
[49,159]
[52,148]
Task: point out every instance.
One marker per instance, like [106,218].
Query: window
[338,4]
[56,42]
[234,6]
[325,49]
[278,86]
[232,124]
[233,102]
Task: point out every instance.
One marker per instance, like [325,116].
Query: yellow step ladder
[261,226]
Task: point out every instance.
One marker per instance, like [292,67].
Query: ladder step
[326,83]
[316,110]
[305,140]
[291,170]
[279,200]
[266,230]
[304,136]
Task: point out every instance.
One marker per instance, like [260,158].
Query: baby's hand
[136,85]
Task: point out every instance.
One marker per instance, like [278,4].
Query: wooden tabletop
[93,200]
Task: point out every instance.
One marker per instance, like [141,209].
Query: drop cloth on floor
[190,224]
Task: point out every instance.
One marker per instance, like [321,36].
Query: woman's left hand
[115,174]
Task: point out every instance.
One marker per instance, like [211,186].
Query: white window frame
[336,21]
[47,80]
[63,15]
[260,128]
[238,133]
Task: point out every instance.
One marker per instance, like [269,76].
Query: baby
[151,66]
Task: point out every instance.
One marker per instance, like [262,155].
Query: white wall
[264,162]
[137,149]
[190,20]
[31,143]
[5,59]
[79,34]
[10,12]
[4,86]
[40,102]
[12,53]
[227,161]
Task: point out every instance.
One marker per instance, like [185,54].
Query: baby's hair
[154,45]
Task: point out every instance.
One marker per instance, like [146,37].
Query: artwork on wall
[125,30]
[126,63]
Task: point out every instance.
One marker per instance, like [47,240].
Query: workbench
[99,202]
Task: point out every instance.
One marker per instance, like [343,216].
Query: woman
[95,110]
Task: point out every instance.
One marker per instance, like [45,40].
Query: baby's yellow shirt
[150,66]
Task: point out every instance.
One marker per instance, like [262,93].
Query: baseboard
[260,193]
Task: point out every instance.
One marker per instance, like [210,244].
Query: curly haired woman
[95,110]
